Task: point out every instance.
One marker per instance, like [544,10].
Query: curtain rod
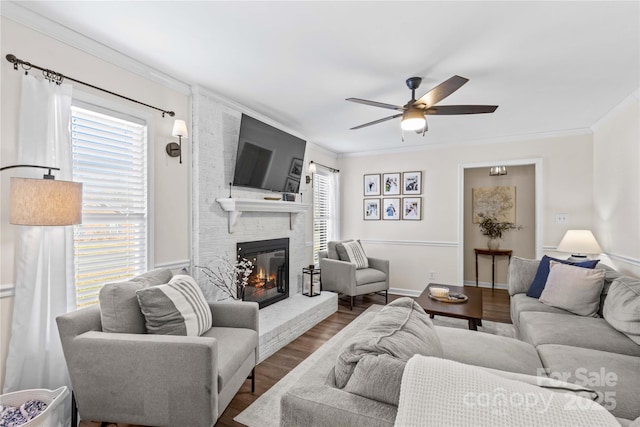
[57,78]
[326,167]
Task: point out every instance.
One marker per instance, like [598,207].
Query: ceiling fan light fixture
[413,119]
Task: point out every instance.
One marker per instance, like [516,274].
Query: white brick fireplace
[216,124]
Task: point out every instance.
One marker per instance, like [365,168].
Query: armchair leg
[253,380]
[74,410]
[386,297]
[351,304]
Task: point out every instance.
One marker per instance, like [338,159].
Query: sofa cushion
[542,273]
[119,308]
[177,308]
[401,329]
[235,345]
[616,377]
[353,252]
[488,351]
[574,289]
[369,275]
[622,307]
[521,303]
[521,273]
[588,332]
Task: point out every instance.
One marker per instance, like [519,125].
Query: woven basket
[52,398]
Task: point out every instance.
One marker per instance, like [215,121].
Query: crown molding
[198,90]
[41,24]
[482,141]
[626,103]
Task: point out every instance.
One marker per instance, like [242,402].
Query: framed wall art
[295,170]
[412,183]
[412,208]
[497,202]
[391,184]
[371,209]
[391,208]
[372,184]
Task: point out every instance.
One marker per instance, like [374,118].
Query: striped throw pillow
[177,308]
[354,253]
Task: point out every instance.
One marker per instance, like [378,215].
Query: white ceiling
[550,66]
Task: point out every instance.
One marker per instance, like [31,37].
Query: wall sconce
[579,243]
[497,170]
[174,149]
[44,201]
[312,169]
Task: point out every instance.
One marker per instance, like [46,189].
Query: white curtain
[334,230]
[44,255]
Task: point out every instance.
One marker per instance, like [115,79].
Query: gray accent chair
[343,277]
[160,380]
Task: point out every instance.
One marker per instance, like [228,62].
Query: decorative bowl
[439,292]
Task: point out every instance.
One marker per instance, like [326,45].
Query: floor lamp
[44,201]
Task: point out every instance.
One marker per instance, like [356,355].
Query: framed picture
[412,183]
[391,184]
[291,185]
[498,202]
[412,208]
[391,208]
[371,209]
[372,184]
[295,170]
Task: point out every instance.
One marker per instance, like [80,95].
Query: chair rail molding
[235,207]
[7,290]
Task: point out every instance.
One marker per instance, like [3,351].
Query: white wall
[616,182]
[416,248]
[171,183]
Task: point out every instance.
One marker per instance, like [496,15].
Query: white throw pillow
[574,289]
[353,252]
[177,308]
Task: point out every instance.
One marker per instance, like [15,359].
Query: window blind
[322,196]
[109,158]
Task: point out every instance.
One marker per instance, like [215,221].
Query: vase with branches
[228,276]
[491,227]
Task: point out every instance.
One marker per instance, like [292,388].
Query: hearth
[269,280]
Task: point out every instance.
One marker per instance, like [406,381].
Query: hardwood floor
[495,308]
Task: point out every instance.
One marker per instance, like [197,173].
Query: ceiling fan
[413,112]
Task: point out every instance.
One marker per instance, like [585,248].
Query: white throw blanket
[440,392]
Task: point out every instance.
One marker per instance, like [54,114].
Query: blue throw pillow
[537,286]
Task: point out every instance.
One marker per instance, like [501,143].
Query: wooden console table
[494,254]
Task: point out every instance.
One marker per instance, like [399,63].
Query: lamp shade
[413,119]
[312,167]
[45,202]
[180,129]
[579,242]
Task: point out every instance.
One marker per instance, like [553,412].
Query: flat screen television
[268,158]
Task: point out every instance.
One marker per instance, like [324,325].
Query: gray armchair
[160,380]
[343,277]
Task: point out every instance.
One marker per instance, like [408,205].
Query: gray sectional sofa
[583,349]
[552,342]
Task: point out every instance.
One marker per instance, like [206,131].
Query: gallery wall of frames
[398,196]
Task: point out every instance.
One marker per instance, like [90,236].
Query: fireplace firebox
[269,280]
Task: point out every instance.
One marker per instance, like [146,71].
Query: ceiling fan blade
[441,91]
[448,110]
[375,104]
[375,122]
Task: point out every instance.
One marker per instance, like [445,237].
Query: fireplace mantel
[235,207]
